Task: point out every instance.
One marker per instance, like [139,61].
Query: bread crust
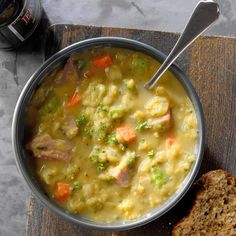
[201,187]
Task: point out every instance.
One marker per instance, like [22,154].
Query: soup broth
[104,146]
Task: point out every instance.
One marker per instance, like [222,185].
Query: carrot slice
[170,141]
[62,191]
[125,134]
[74,100]
[102,62]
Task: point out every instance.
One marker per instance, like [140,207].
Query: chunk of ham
[70,128]
[162,121]
[45,147]
[121,175]
[70,73]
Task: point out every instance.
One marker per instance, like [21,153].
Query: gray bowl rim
[38,77]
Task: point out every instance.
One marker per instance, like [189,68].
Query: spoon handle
[205,13]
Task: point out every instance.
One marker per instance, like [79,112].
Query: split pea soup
[103,146]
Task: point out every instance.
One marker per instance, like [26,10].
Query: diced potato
[113,73]
[161,91]
[89,111]
[185,162]
[56,126]
[154,200]
[71,171]
[157,106]
[94,94]
[112,155]
[190,122]
[144,180]
[130,84]
[140,189]
[139,115]
[113,90]
[87,190]
[183,165]
[107,100]
[111,95]
[173,152]
[48,175]
[145,166]
[104,154]
[126,205]
[156,135]
[170,168]
[98,154]
[144,146]
[95,203]
[76,205]
[117,112]
[160,157]
[101,90]
[190,158]
[106,176]
[127,101]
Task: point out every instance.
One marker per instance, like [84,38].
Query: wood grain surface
[210,63]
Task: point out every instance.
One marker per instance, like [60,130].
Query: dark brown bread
[214,209]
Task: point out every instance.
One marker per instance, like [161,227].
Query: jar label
[26,22]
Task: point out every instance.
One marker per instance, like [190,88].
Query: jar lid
[8,10]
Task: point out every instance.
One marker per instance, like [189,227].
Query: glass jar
[18,20]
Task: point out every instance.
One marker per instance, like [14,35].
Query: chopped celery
[139,65]
[116,112]
[50,106]
[142,125]
[159,177]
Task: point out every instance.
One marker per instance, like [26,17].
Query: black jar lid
[9,9]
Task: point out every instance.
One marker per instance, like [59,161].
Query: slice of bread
[214,208]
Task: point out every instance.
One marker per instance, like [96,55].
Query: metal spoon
[205,13]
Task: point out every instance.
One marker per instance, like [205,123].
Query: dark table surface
[209,64]
[16,67]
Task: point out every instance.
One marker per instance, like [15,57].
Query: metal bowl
[23,159]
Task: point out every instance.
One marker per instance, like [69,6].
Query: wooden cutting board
[210,63]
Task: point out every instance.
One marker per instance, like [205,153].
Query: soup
[102,145]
